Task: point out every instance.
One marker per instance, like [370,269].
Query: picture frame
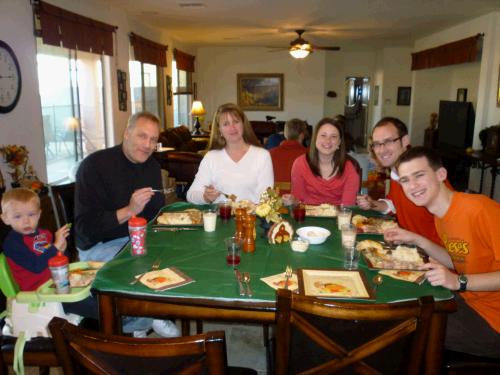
[404,95]
[260,91]
[121,78]
[168,81]
[462,95]
[376,90]
[334,283]
[498,89]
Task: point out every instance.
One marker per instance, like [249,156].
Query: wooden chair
[352,352]
[82,351]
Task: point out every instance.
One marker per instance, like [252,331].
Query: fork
[154,267]
[288,275]
[246,280]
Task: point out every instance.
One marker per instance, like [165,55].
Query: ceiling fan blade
[327,48]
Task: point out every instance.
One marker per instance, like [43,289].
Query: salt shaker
[59,268]
[240,232]
[249,229]
[137,231]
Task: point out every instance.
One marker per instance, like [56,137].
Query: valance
[74,31]
[147,51]
[459,52]
[184,61]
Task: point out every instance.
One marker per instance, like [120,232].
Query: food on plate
[299,245]
[280,232]
[402,257]
[372,224]
[190,216]
[244,203]
[95,265]
[322,210]
[410,276]
[81,277]
[332,288]
[315,235]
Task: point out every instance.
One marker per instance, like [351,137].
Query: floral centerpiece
[269,205]
[22,174]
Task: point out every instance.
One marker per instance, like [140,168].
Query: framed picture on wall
[121,77]
[169,90]
[260,91]
[461,95]
[404,95]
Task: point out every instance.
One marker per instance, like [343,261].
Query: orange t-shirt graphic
[470,231]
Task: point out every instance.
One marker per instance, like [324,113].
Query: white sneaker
[165,328]
[141,333]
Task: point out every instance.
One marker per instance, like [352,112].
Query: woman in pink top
[326,174]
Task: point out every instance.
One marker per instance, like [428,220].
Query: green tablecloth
[201,256]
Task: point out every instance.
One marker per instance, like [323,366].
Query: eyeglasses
[387,142]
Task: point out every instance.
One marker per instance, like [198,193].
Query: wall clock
[10,78]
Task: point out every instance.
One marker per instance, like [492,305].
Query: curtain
[184,61]
[147,51]
[459,52]
[74,31]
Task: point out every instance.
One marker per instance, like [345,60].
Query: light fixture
[197,110]
[300,51]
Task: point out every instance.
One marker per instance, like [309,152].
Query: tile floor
[245,347]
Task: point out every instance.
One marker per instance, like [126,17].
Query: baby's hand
[60,237]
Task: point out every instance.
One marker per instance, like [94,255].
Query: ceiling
[351,24]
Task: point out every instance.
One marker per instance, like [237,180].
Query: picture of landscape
[260,92]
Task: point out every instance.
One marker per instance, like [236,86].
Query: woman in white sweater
[236,163]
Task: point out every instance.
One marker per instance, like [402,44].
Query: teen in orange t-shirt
[469,226]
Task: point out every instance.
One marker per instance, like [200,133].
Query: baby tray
[28,313]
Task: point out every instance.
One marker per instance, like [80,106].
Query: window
[72,97]
[145,89]
[182,95]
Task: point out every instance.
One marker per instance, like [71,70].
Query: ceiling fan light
[299,53]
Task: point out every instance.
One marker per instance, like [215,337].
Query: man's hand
[60,237]
[364,202]
[139,200]
[438,275]
[210,194]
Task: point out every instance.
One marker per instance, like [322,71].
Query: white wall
[217,68]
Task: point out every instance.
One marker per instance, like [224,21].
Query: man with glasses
[388,141]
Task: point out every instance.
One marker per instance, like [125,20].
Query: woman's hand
[364,202]
[210,194]
[288,199]
[60,237]
[439,275]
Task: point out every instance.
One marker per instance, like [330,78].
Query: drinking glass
[343,217]
[351,258]
[348,235]
[233,247]
[225,210]
[299,212]
[209,220]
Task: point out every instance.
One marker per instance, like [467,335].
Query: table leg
[483,167]
[108,324]
[494,173]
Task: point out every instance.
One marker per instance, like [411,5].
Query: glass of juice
[225,210]
[233,247]
[299,212]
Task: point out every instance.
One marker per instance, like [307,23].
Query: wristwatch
[462,279]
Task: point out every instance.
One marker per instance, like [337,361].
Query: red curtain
[459,52]
[184,61]
[74,31]
[147,51]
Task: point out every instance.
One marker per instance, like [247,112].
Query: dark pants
[86,308]
[468,332]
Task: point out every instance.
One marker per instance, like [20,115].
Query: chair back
[84,351]
[350,336]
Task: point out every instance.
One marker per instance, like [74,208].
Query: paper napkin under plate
[164,279]
[278,281]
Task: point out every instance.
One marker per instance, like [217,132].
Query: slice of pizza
[79,278]
[372,224]
[405,275]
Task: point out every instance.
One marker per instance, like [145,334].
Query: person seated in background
[469,263]
[275,139]
[325,174]
[285,154]
[236,163]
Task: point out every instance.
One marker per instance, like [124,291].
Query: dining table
[214,293]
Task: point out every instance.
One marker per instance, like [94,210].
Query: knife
[164,229]
[238,278]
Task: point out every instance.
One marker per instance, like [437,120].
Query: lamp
[197,110]
[300,51]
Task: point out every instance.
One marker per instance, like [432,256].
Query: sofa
[181,140]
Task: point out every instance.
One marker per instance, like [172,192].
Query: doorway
[357,95]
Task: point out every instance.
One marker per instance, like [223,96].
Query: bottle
[59,268]
[137,231]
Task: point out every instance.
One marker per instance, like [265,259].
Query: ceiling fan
[301,48]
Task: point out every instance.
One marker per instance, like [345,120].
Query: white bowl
[315,235]
[299,245]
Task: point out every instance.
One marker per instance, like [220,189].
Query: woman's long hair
[217,141]
[339,157]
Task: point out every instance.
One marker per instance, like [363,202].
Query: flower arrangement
[16,158]
[269,205]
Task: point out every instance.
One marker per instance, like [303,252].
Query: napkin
[164,279]
[278,281]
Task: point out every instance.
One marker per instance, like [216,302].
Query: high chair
[25,335]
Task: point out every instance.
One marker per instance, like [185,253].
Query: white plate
[315,235]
